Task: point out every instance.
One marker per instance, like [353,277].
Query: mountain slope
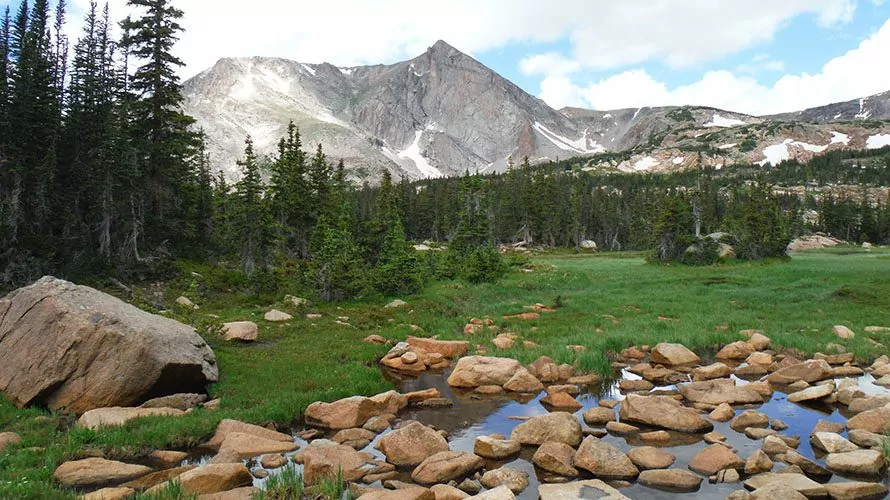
[443,113]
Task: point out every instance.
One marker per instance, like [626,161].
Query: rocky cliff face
[443,112]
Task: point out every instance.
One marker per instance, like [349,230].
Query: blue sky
[752,56]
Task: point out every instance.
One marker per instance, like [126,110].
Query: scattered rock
[186,303]
[757,463]
[515,480]
[8,439]
[627,385]
[736,350]
[354,438]
[621,429]
[604,460]
[830,442]
[714,437]
[647,457]
[776,490]
[447,348]
[250,445]
[395,304]
[812,393]
[500,493]
[663,412]
[773,446]
[446,466]
[495,449]
[524,382]
[673,354]
[856,490]
[715,392]
[726,476]
[156,478]
[110,494]
[759,341]
[446,492]
[599,416]
[655,437]
[723,413]
[276,316]
[97,471]
[374,339]
[475,371]
[412,444]
[876,421]
[809,467]
[379,423]
[273,461]
[244,331]
[715,458]
[710,372]
[117,416]
[177,401]
[324,459]
[856,463]
[842,332]
[809,371]
[561,402]
[749,418]
[556,458]
[797,482]
[558,426]
[593,488]
[228,427]
[211,478]
[671,480]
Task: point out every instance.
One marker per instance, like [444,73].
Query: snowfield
[878,141]
[413,153]
[645,164]
[720,121]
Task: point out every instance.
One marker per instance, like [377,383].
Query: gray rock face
[443,112]
[65,346]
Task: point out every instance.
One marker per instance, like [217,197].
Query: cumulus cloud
[603,33]
[860,72]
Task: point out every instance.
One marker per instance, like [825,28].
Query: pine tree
[398,270]
[474,254]
[166,145]
[291,194]
[253,222]
[337,267]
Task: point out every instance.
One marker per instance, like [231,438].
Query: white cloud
[860,72]
[550,63]
[603,33]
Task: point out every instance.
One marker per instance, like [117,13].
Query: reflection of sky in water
[472,416]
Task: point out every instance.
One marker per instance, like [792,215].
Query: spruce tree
[253,222]
[291,194]
[398,270]
[166,145]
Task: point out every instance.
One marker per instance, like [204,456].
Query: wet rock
[647,457]
[737,350]
[726,476]
[670,479]
[524,382]
[876,421]
[715,392]
[865,439]
[856,490]
[831,443]
[556,458]
[673,354]
[446,466]
[757,463]
[273,461]
[662,437]
[379,423]
[446,492]
[588,379]
[812,393]
[621,429]
[249,445]
[778,425]
[723,413]
[599,416]
[97,471]
[593,488]
[776,490]
[211,478]
[500,493]
[866,403]
[798,386]
[407,493]
[604,460]
[470,486]
[714,437]
[561,402]
[627,385]
[774,446]
[842,332]
[797,482]
[757,433]
[759,358]
[412,444]
[710,372]
[715,458]
[662,412]
[495,449]
[324,459]
[763,388]
[227,427]
[559,426]
[810,468]
[475,371]
[808,371]
[856,463]
[749,418]
[662,376]
[354,438]
[570,389]
[515,480]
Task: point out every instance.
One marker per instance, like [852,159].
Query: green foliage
[173,491]
[704,252]
[398,270]
[762,228]
[681,115]
[748,144]
[674,229]
[253,223]
[287,484]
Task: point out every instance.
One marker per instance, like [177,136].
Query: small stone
[749,418]
[778,425]
[276,316]
[561,402]
[726,476]
[555,458]
[655,437]
[599,416]
[273,461]
[621,429]
[647,457]
[842,332]
[674,480]
[723,413]
[515,480]
[715,458]
[495,449]
[714,437]
[757,463]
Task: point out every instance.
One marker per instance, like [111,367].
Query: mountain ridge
[443,112]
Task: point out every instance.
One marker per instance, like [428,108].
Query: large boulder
[810,371]
[447,348]
[70,347]
[324,459]
[663,412]
[558,426]
[876,421]
[715,458]
[856,463]
[353,412]
[556,458]
[210,478]
[476,371]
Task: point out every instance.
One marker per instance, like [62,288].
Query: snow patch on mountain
[839,138]
[721,121]
[727,146]
[678,161]
[776,154]
[413,153]
[576,146]
[878,141]
[645,164]
[308,69]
